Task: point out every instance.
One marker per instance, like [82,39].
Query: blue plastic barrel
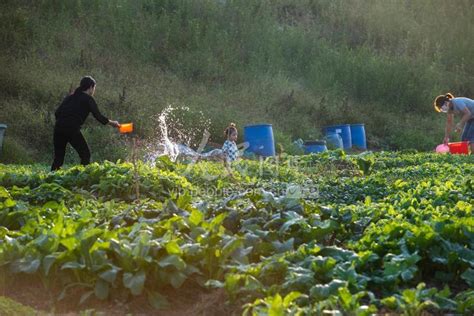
[260,139]
[334,140]
[358,136]
[316,146]
[344,130]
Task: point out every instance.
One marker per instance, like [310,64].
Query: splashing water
[172,137]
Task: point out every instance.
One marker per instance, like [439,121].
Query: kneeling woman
[464,107]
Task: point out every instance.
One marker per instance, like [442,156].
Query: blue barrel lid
[315,142]
[336,126]
[255,125]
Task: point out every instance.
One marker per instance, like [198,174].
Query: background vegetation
[299,65]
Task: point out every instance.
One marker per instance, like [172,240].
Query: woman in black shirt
[70,116]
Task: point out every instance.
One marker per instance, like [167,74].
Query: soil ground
[188,300]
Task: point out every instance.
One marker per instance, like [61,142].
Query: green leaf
[465,302]
[322,265]
[196,217]
[427,304]
[3,232]
[184,200]
[70,243]
[468,276]
[58,223]
[190,269]
[92,233]
[217,221]
[230,246]
[445,292]
[323,291]
[467,256]
[214,284]
[295,219]
[73,265]
[109,275]
[4,193]
[172,260]
[365,164]
[48,262]
[9,203]
[172,248]
[240,254]
[391,302]
[345,297]
[408,274]
[409,296]
[232,281]
[337,253]
[134,282]
[177,279]
[157,300]
[53,205]
[276,306]
[365,310]
[283,246]
[403,265]
[290,297]
[26,265]
[101,289]
[164,162]
[46,243]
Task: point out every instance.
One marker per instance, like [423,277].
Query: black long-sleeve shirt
[74,110]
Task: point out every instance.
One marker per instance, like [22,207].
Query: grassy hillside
[299,65]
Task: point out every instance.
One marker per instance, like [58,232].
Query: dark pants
[74,137]
[468,132]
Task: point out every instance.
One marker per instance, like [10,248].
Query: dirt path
[188,300]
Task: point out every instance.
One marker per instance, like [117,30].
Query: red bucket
[459,148]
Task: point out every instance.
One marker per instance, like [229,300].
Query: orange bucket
[459,148]
[126,128]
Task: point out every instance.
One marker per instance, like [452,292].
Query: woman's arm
[98,116]
[94,109]
[449,127]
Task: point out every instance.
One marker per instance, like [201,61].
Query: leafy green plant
[345,244]
[365,164]
[412,301]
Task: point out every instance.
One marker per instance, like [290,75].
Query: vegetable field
[304,235]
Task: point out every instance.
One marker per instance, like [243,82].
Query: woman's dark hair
[230,129]
[86,83]
[440,99]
